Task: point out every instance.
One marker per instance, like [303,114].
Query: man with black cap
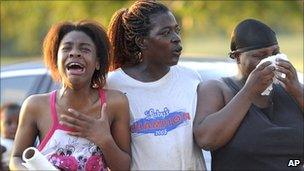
[246,130]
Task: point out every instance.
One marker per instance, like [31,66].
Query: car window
[15,89]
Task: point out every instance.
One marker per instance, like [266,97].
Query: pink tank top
[68,152]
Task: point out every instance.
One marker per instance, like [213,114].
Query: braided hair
[126,26]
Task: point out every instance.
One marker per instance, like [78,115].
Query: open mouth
[178,51]
[75,68]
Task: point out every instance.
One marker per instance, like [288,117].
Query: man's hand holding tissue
[291,82]
[259,79]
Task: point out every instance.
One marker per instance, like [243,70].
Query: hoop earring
[139,57]
[231,55]
[97,68]
[95,86]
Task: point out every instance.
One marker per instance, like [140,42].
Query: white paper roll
[34,160]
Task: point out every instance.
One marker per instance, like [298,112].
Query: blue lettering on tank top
[159,122]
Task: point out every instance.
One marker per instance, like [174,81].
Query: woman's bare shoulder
[117,102]
[34,108]
[216,86]
[37,99]
[36,103]
[115,96]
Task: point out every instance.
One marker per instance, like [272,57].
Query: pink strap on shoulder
[54,124]
[102,96]
[53,108]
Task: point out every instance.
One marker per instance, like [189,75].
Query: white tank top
[162,114]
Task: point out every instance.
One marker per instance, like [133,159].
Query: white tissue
[272,59]
[37,161]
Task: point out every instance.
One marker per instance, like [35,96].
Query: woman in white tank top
[162,96]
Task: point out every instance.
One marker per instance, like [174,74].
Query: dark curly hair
[10,108]
[94,30]
[126,26]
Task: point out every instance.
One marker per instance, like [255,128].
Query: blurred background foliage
[206,25]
